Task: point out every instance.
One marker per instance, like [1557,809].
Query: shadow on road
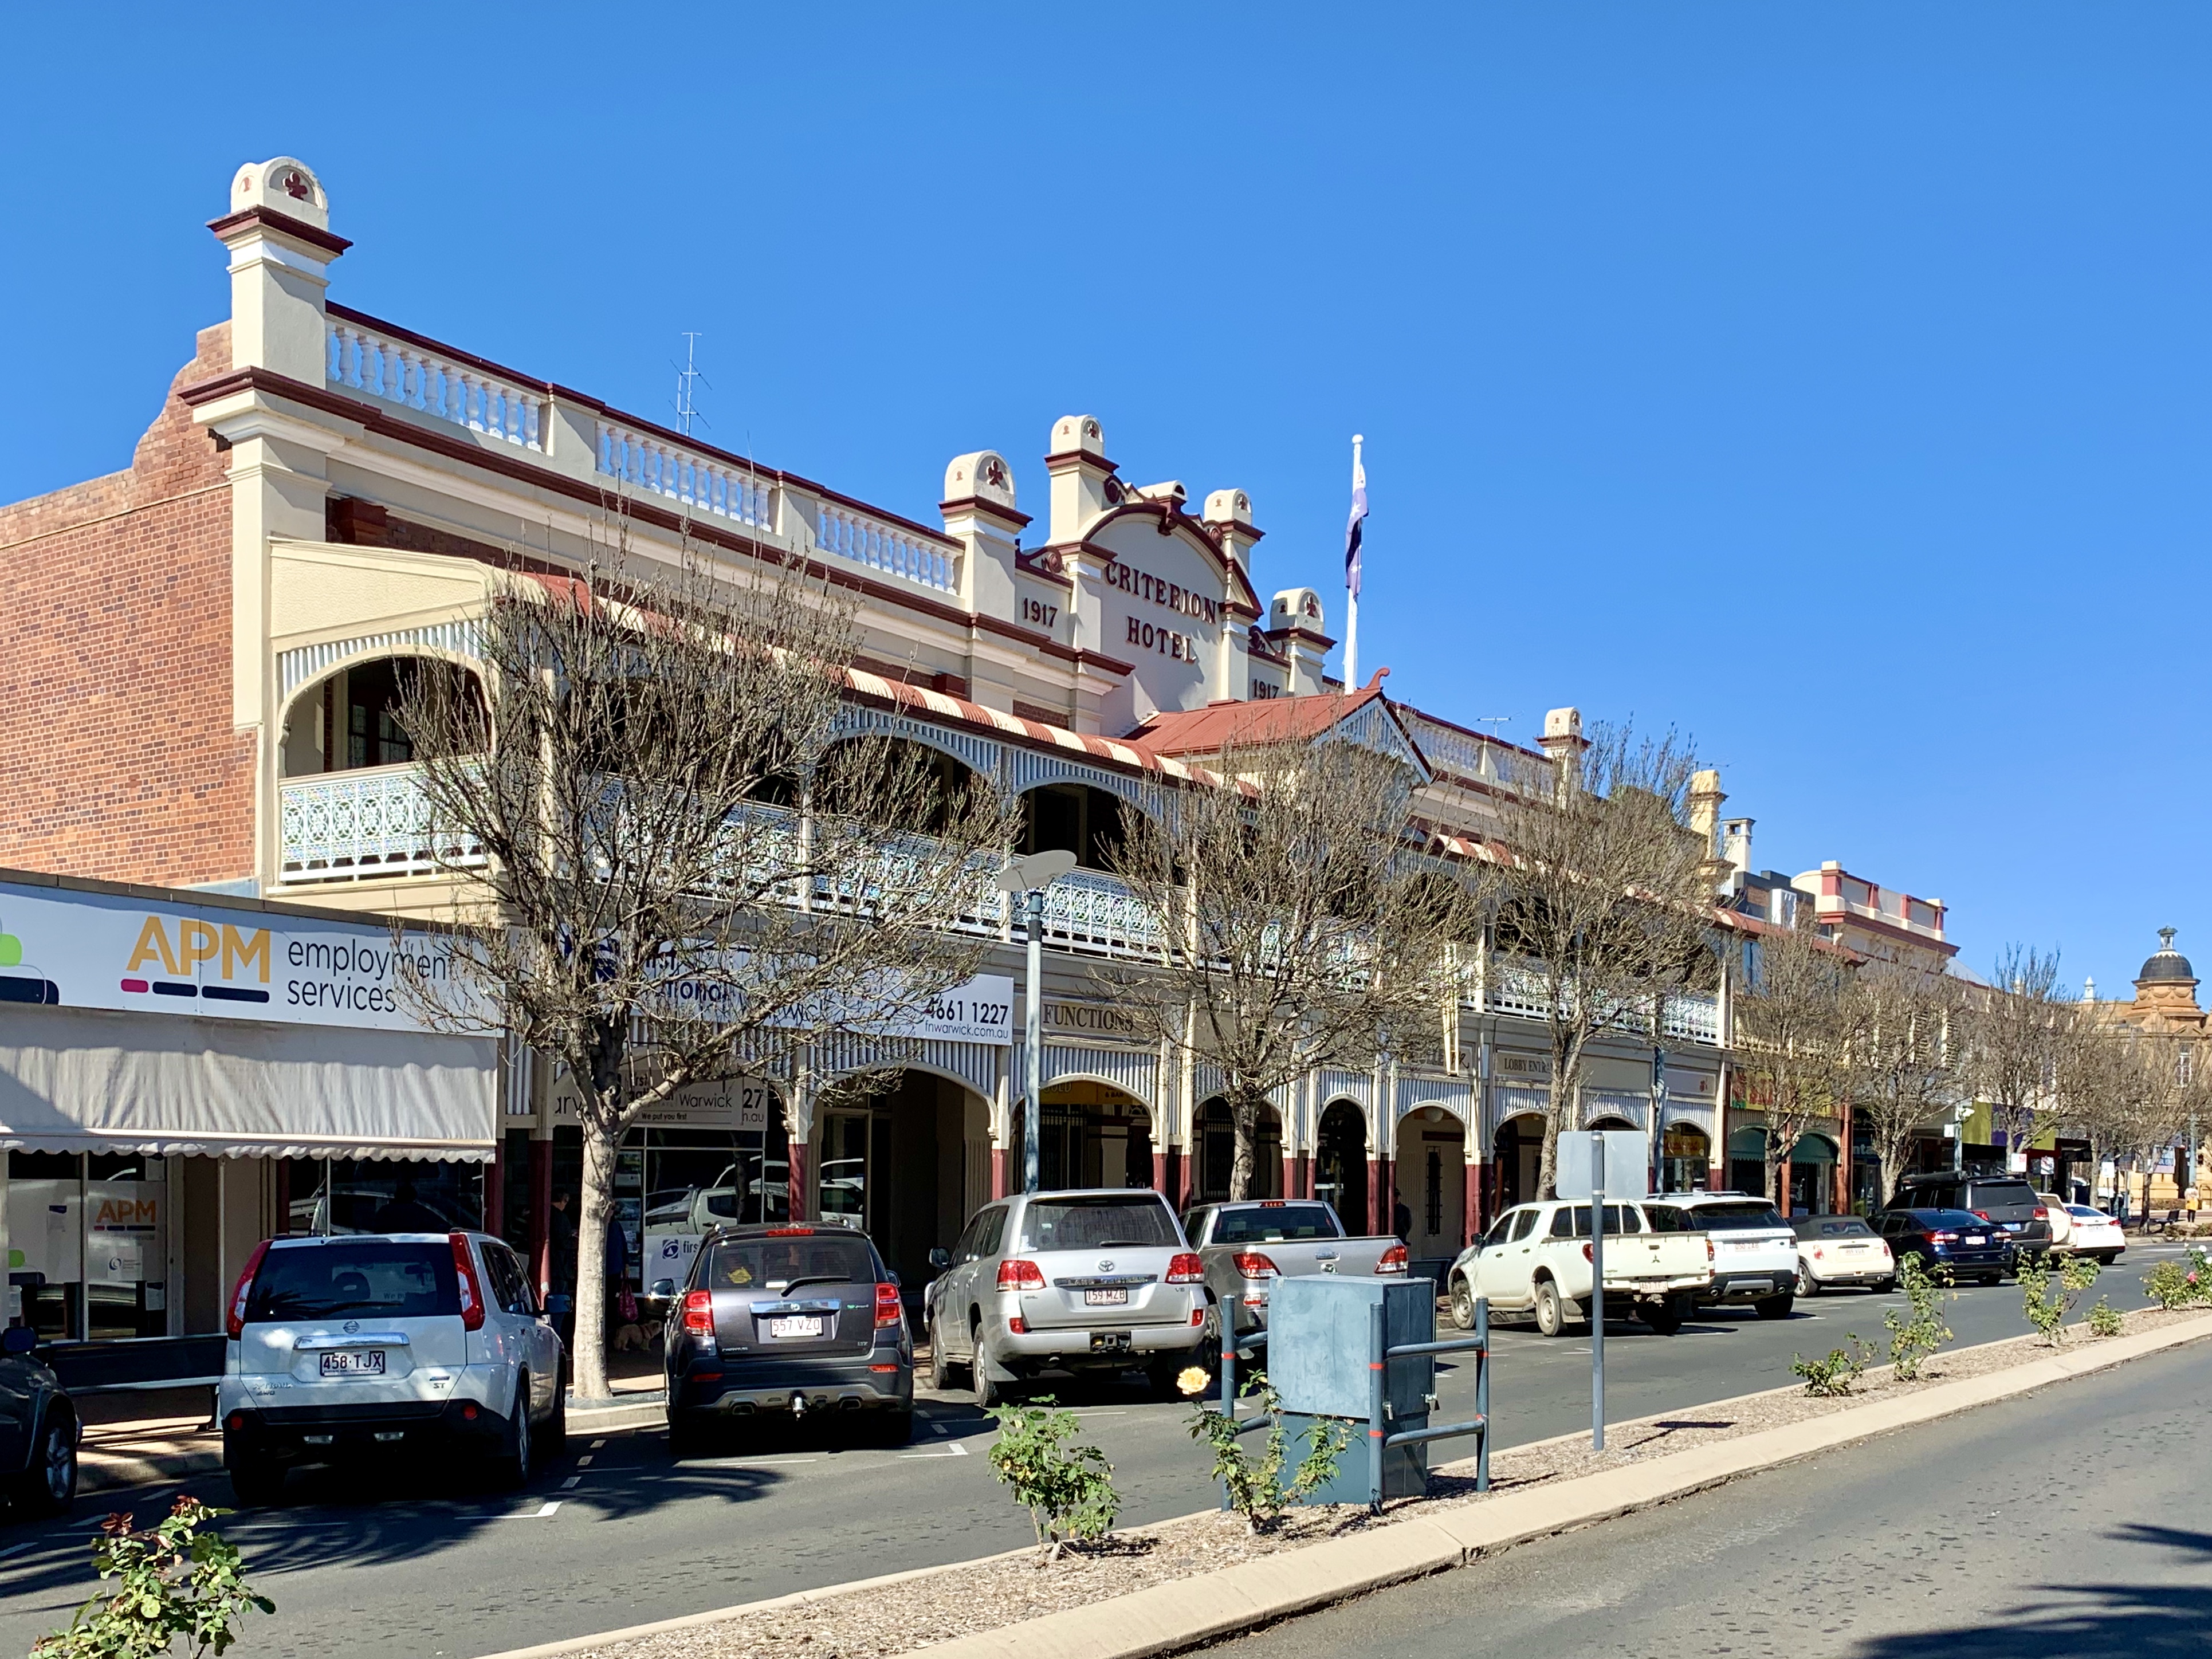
[2138,1620]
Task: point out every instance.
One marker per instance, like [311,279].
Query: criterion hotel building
[203,652]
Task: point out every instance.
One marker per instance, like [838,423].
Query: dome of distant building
[2168,966]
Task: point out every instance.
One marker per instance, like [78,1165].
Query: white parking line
[596,1444]
[571,1483]
[544,1511]
[747,1462]
[956,1450]
[584,1462]
[939,1429]
[13,1549]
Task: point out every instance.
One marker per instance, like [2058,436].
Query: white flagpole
[1352,593]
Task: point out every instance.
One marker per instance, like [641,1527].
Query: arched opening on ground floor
[1340,1162]
[1520,1155]
[1432,1178]
[1684,1158]
[1095,1135]
[904,1155]
[1612,1120]
[1812,1176]
[1746,1161]
[1216,1148]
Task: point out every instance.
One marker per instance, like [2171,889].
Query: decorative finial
[2165,938]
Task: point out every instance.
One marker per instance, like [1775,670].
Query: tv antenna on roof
[1494,720]
[687,410]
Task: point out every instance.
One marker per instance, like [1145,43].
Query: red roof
[1210,730]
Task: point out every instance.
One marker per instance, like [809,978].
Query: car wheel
[1550,1309]
[1806,1285]
[519,1461]
[1773,1307]
[1884,1286]
[685,1437]
[940,1363]
[555,1439]
[1462,1302]
[1663,1314]
[1990,1278]
[49,1485]
[257,1482]
[989,1391]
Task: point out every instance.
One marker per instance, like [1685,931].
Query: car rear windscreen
[1830,1226]
[1736,1217]
[1098,1222]
[374,1278]
[2001,1194]
[1274,1224]
[749,1264]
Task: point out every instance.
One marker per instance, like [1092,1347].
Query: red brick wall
[117,755]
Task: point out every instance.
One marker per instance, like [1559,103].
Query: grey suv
[1090,1281]
[2006,1201]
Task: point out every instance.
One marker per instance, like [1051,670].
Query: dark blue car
[1972,1247]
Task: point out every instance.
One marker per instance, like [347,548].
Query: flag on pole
[1352,529]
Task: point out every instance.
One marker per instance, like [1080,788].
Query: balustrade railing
[896,549]
[1516,988]
[380,365]
[699,481]
[373,822]
[1089,910]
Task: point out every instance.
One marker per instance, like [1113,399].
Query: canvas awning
[78,1079]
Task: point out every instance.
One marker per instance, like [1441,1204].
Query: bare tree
[1304,922]
[689,871]
[2128,1092]
[1796,1036]
[1910,1065]
[2013,1027]
[1602,894]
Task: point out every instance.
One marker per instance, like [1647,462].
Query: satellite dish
[1034,871]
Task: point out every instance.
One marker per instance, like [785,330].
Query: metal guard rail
[1379,1355]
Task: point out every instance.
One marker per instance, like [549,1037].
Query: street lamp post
[1026,877]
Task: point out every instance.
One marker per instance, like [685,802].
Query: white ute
[1535,1261]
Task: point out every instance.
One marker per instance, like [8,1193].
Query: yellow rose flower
[1193,1380]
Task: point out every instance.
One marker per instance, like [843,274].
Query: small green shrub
[2105,1319]
[2180,1284]
[1830,1378]
[2046,1304]
[175,1580]
[1256,1486]
[1067,1490]
[1912,1340]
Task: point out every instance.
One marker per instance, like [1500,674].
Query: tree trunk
[590,1358]
[1244,1119]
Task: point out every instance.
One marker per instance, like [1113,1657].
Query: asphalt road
[2067,1522]
[402,1562]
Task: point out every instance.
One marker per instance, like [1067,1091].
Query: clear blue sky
[1829,382]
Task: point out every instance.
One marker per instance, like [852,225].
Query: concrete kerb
[1168,1618]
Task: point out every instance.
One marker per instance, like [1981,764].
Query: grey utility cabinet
[1320,1341]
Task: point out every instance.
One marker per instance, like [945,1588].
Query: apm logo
[21,982]
[234,952]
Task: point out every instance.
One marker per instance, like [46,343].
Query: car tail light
[1392,1262]
[1985,1214]
[1708,1248]
[1943,1238]
[1198,1316]
[698,1312]
[1185,1268]
[464,1270]
[1252,1264]
[234,1320]
[1588,1255]
[2042,1212]
[1020,1275]
[887,1305]
[1019,1326]
[787,1232]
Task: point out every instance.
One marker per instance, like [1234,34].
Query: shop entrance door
[846,1170]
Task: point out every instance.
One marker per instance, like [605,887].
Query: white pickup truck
[1534,1261]
[1248,1246]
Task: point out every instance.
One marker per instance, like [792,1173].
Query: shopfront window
[87,1242]
[381,1195]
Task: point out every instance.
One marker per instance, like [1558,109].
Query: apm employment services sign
[109,950]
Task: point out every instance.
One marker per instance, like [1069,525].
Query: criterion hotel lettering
[1172,596]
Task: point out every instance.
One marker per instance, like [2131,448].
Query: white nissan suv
[363,1345]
